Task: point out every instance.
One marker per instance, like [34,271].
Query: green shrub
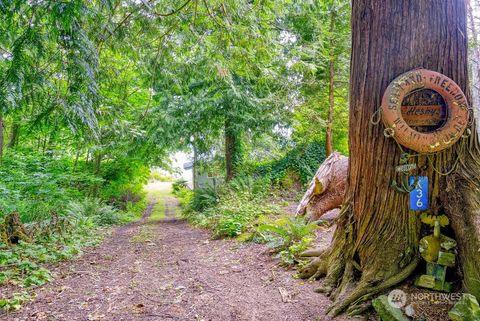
[159,177]
[178,185]
[33,184]
[95,209]
[124,181]
[236,214]
[134,210]
[184,196]
[288,236]
[228,210]
[204,198]
[256,187]
[303,160]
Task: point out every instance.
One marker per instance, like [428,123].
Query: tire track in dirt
[170,205]
[173,272]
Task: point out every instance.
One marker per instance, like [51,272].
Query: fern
[93,208]
[205,198]
[286,231]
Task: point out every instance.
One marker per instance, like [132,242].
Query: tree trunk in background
[331,82]
[44,144]
[2,126]
[376,242]
[475,59]
[194,168]
[77,156]
[98,162]
[233,150]
[14,133]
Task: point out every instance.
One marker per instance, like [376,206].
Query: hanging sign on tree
[401,121]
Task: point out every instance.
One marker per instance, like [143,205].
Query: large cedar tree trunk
[375,245]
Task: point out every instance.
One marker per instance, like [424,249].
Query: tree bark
[98,162]
[475,60]
[233,152]
[194,167]
[14,133]
[376,242]
[44,144]
[2,139]
[77,157]
[331,85]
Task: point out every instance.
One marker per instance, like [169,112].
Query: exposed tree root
[358,309]
[364,291]
[326,263]
[312,253]
[340,269]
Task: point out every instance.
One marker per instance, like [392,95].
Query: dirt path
[166,270]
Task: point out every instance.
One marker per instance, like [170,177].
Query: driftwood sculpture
[326,190]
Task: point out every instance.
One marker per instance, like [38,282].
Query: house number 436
[419,196]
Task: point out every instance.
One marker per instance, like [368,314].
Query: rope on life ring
[430,142]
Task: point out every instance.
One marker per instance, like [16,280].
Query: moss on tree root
[12,230]
[364,291]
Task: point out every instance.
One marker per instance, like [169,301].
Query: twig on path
[165,315]
[153,300]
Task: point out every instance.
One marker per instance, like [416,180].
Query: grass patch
[158,211]
[158,192]
[144,235]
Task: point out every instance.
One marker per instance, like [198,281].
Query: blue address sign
[419,196]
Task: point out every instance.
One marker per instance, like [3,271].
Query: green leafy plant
[288,236]
[94,209]
[34,184]
[204,198]
[185,196]
[228,210]
[15,302]
[159,177]
[36,275]
[178,185]
[303,160]
[235,214]
[254,187]
[124,181]
[25,264]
